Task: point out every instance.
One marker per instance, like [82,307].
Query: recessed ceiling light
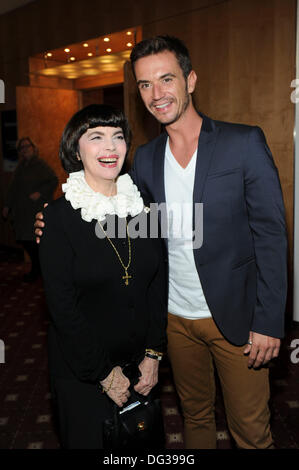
[129,33]
[106,39]
[85,44]
[49,54]
[129,44]
[72,58]
[108,50]
[90,54]
[66,49]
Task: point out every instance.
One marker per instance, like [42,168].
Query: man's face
[163,88]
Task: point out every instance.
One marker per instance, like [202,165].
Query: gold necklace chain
[126,277]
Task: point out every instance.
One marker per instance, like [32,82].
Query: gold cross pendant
[127,277]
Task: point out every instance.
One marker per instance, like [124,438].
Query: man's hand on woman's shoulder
[39,224]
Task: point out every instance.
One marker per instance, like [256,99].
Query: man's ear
[191,81]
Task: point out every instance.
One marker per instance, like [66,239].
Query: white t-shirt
[186,297]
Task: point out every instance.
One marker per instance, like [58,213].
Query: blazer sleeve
[158,299]
[81,349]
[267,222]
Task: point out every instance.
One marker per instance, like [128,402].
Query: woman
[33,183]
[106,295]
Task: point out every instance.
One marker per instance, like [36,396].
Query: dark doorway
[113,95]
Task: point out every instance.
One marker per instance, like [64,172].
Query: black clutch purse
[138,425]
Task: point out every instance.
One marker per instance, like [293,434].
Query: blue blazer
[242,263]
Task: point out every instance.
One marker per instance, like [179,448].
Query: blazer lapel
[158,170]
[206,144]
[159,185]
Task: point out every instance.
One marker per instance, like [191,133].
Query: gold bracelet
[110,385]
[155,353]
[153,356]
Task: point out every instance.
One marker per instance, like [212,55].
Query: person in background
[33,183]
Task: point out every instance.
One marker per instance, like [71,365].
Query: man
[231,291]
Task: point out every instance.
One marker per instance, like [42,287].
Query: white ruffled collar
[95,205]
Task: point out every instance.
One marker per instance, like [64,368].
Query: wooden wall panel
[49,24]
[42,114]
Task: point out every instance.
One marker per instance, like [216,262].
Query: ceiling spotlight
[85,44]
[90,54]
[129,44]
[73,58]
[129,33]
[49,54]
[106,39]
[67,49]
[108,50]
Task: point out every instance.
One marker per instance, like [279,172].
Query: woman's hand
[118,392]
[149,376]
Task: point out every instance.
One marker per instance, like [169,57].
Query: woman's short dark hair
[91,116]
[160,44]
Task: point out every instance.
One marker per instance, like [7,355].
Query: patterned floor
[26,420]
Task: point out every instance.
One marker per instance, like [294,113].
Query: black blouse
[97,321]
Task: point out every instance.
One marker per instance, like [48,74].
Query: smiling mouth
[108,160]
[162,106]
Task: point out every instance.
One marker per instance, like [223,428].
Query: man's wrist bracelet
[155,353]
[153,356]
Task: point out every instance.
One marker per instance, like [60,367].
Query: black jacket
[97,321]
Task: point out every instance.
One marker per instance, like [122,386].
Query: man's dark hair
[91,116]
[160,44]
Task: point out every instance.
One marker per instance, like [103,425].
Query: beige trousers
[194,347]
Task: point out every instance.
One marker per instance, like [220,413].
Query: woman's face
[102,151]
